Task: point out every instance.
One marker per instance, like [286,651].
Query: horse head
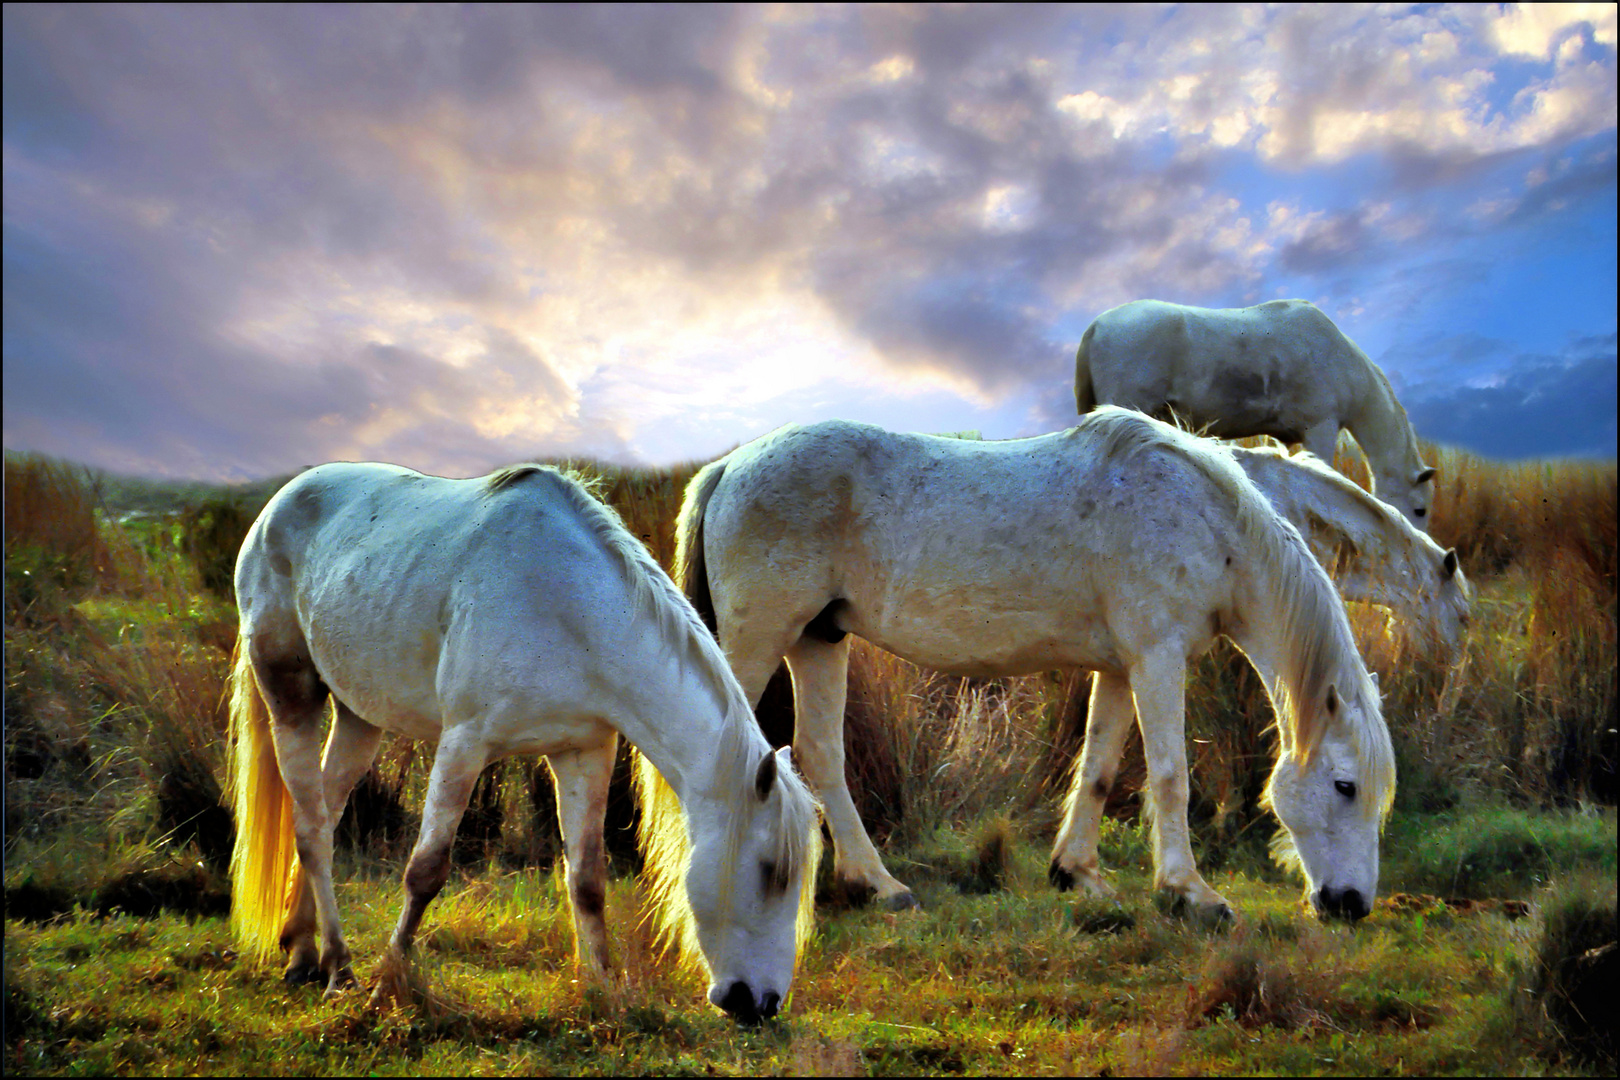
[1410,492]
[1446,593]
[749,884]
[1331,799]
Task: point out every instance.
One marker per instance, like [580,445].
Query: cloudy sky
[242,240]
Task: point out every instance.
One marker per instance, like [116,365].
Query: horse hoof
[843,895]
[902,901]
[1059,877]
[302,975]
[343,979]
[1216,916]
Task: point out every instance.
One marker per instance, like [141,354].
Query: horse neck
[1289,593]
[704,745]
[1376,563]
[1381,428]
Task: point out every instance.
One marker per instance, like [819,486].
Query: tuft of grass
[1246,982]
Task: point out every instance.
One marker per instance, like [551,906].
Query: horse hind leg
[296,697]
[1108,721]
[456,766]
[350,749]
[581,778]
[820,682]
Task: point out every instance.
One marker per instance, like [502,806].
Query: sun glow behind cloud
[454,237]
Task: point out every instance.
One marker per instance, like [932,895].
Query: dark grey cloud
[207,207]
[1542,407]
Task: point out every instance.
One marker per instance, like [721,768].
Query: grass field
[1495,924]
[1023,980]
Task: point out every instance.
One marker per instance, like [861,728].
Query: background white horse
[1122,545]
[512,614]
[1373,554]
[1280,368]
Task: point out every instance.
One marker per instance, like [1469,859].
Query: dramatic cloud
[238,240]
[1542,407]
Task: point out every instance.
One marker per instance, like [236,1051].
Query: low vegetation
[1487,953]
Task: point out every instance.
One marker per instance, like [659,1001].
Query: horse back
[1044,541]
[1277,368]
[392,582]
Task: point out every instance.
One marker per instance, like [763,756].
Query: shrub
[1571,978]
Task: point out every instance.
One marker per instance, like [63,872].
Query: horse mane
[665,839]
[1307,612]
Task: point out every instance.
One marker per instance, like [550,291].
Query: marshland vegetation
[1496,915]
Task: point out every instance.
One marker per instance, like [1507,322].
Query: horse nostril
[738,1002]
[768,1007]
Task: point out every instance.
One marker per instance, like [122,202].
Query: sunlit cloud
[243,239]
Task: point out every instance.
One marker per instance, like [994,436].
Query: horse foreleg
[820,681]
[350,749]
[1108,721]
[1158,684]
[581,778]
[456,766]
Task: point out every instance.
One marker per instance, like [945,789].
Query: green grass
[1496,851]
[1011,981]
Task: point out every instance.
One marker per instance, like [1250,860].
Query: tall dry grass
[116,652]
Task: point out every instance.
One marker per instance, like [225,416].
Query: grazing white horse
[1123,545]
[512,614]
[1280,368]
[1373,554]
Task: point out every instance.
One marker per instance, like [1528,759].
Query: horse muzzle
[1346,904]
[739,1003]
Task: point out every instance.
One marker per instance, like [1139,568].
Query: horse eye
[774,880]
[1420,512]
[1345,788]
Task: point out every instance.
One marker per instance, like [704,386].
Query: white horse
[512,614]
[1373,554]
[1122,545]
[1280,368]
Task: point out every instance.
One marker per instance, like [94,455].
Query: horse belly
[383,673]
[985,639]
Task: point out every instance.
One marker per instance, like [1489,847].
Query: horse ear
[1449,563]
[1373,675]
[1425,473]
[1332,700]
[765,777]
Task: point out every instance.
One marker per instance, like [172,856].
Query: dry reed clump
[1569,983]
[55,553]
[1530,709]
[1246,981]
[931,748]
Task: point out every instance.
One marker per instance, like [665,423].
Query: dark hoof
[303,974]
[844,895]
[902,901]
[343,980]
[1059,877]
[1203,916]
